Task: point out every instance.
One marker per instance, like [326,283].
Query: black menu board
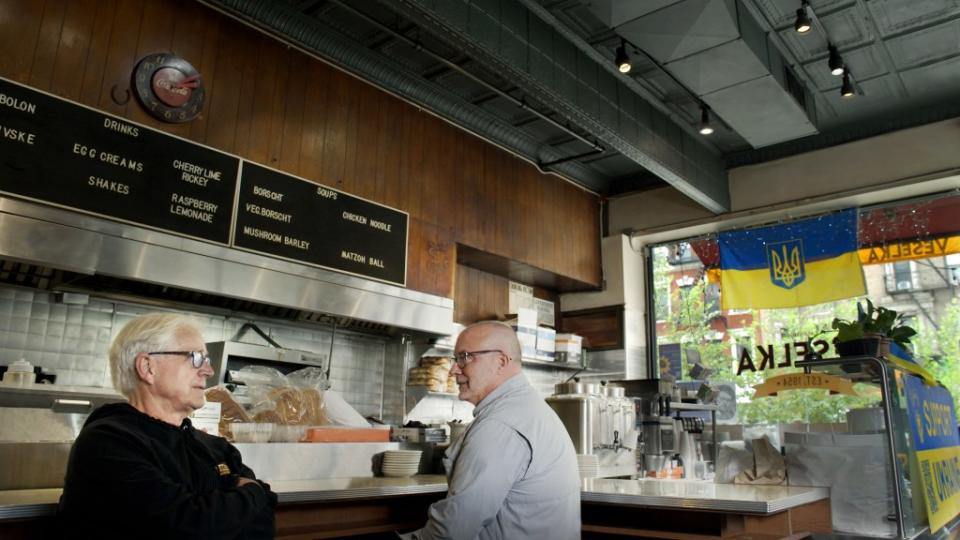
[58,152]
[289,217]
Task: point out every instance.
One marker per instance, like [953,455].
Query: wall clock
[168,87]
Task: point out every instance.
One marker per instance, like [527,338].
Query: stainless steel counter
[341,489]
[695,495]
[650,493]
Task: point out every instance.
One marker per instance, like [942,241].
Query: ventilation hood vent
[57,250]
[717,50]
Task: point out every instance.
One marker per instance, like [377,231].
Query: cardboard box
[569,348]
[546,343]
[528,340]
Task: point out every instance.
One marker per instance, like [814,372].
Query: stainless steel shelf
[555,365]
[57,397]
[691,406]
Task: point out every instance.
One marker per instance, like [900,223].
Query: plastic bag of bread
[309,377]
[295,399]
[290,406]
[230,411]
[434,378]
[443,362]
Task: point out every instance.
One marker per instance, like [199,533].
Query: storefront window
[909,264]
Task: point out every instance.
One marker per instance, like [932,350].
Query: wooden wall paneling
[219,123]
[434,148]
[314,120]
[565,245]
[451,210]
[434,256]
[352,143]
[459,292]
[249,77]
[71,59]
[293,114]
[19,29]
[412,162]
[414,253]
[588,211]
[198,40]
[91,87]
[278,97]
[547,241]
[391,124]
[503,202]
[121,58]
[335,133]
[466,294]
[368,143]
[519,193]
[486,205]
[48,40]
[496,298]
[156,35]
[264,80]
[468,223]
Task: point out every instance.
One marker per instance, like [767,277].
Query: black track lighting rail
[835,63]
[704,108]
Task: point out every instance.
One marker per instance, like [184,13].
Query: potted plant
[871,333]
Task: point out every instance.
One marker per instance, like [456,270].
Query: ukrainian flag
[800,263]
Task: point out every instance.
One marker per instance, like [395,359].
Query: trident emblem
[786,263]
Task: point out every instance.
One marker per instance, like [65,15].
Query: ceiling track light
[835,62]
[847,89]
[623,59]
[802,24]
[705,127]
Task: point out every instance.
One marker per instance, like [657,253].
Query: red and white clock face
[169,87]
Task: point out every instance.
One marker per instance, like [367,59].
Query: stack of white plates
[400,463]
[589,465]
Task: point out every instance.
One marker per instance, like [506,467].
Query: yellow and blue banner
[933,428]
[804,262]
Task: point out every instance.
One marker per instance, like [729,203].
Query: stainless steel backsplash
[72,342]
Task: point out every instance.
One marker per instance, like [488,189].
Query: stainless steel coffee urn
[578,406]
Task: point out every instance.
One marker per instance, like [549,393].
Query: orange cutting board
[347,434]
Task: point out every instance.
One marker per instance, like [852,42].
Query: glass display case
[908,508]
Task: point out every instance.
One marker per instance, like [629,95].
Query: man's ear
[143,367]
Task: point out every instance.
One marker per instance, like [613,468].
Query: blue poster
[933,429]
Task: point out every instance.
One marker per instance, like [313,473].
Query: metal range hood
[102,254]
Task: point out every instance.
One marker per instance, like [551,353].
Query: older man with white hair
[514,472]
[140,470]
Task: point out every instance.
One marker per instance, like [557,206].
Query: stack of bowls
[400,463]
[589,465]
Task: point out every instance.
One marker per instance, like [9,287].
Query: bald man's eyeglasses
[197,358]
[465,357]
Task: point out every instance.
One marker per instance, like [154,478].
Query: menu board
[285,216]
[58,152]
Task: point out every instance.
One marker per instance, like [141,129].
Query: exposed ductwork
[293,26]
[718,51]
[545,61]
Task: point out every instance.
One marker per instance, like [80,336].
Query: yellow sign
[940,469]
[796,381]
[904,251]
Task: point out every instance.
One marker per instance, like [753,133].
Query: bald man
[514,472]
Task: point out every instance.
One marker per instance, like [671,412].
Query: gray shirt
[512,475]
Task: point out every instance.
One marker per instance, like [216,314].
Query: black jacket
[132,476]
